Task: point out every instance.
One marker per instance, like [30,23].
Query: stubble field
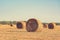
[12,33]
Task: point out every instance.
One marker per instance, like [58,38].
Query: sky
[21,10]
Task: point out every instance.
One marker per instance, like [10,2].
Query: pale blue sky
[44,10]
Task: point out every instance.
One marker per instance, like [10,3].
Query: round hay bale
[45,25]
[33,25]
[11,25]
[21,25]
[51,25]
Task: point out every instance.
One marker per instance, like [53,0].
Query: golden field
[12,33]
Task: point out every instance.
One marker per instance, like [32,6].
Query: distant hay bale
[45,25]
[21,25]
[33,25]
[51,25]
[11,25]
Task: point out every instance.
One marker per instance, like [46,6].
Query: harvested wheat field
[12,33]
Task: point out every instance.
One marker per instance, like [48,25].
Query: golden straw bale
[33,25]
[45,25]
[21,25]
[51,25]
